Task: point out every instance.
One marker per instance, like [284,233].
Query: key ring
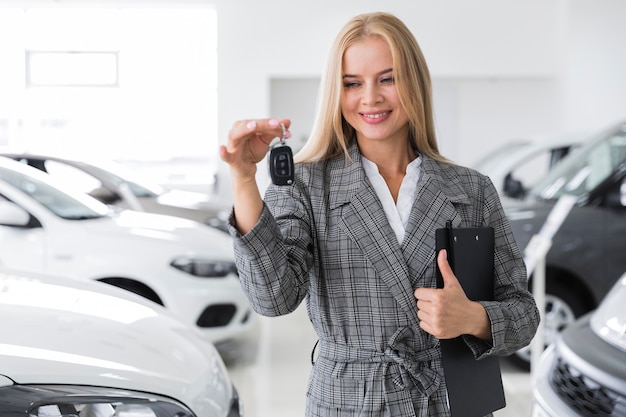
[284,137]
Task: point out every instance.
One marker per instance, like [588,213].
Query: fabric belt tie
[410,364]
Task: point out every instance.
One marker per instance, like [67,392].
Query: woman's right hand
[248,142]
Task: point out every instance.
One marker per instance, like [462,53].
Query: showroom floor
[271,376]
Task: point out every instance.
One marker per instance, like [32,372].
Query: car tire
[563,305]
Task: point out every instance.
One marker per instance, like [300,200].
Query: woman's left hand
[447,312]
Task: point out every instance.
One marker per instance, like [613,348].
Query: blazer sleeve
[273,259]
[513,313]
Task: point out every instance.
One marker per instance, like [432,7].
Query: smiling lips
[375,117]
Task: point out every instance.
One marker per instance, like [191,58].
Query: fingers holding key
[257,133]
[249,140]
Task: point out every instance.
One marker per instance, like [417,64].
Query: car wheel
[563,306]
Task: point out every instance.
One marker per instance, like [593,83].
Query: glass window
[62,204]
[586,168]
[120,83]
[73,176]
[71,68]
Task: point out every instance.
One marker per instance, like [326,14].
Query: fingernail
[251,124]
[273,122]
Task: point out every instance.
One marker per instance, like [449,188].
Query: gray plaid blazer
[326,240]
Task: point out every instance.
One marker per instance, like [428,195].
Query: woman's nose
[371,95]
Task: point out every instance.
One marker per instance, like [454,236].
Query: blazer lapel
[435,200]
[364,221]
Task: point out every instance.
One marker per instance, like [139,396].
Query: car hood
[609,319]
[526,217]
[64,331]
[182,233]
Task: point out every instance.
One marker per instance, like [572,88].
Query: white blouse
[398,213]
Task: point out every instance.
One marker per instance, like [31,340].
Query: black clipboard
[474,386]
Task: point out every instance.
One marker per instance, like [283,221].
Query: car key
[281,162]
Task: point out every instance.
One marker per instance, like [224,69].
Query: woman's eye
[352,84]
[387,80]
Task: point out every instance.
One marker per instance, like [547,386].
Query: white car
[112,184]
[583,373]
[184,265]
[83,349]
[518,165]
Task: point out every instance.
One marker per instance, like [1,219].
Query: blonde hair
[331,134]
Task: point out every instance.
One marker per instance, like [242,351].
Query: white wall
[501,68]
[594,73]
[481,40]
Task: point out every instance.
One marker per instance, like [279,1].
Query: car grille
[585,395]
[217,315]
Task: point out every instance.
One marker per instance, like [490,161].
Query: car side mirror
[512,187]
[105,195]
[13,215]
[616,196]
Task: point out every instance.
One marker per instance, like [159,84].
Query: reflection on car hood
[526,217]
[185,234]
[63,331]
[535,211]
[609,319]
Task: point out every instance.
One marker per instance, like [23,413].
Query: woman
[355,234]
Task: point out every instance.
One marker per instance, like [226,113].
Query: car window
[73,176]
[533,168]
[585,169]
[494,158]
[55,200]
[517,166]
[117,175]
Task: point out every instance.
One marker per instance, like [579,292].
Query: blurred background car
[186,266]
[518,165]
[113,184]
[85,349]
[583,372]
[588,250]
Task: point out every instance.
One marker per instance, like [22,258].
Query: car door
[615,227]
[23,247]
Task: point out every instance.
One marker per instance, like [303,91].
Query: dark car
[110,184]
[584,372]
[588,252]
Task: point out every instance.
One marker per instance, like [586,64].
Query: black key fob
[281,164]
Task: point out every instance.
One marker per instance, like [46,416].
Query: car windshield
[117,175]
[585,168]
[62,204]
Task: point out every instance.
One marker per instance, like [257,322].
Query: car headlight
[204,267]
[80,401]
[609,319]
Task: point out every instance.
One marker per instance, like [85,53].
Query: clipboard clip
[449,249]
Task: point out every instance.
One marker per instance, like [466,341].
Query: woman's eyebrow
[378,74]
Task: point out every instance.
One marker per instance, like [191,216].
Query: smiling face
[370,102]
